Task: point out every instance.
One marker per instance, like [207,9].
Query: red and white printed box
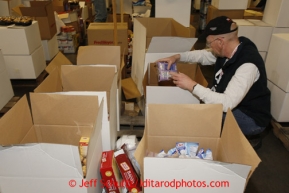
[109,172]
[130,178]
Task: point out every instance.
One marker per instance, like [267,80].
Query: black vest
[256,103]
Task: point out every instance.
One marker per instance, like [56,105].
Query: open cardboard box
[39,151]
[88,78]
[166,92]
[234,158]
[167,37]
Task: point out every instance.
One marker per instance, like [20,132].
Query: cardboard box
[25,66]
[257,31]
[180,12]
[20,40]
[59,5]
[279,103]
[229,4]
[214,12]
[79,78]
[6,89]
[280,30]
[276,12]
[277,67]
[7,5]
[109,172]
[50,48]
[157,31]
[49,134]
[68,17]
[169,93]
[167,124]
[102,34]
[42,11]
[57,62]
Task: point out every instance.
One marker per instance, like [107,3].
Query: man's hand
[183,81]
[170,60]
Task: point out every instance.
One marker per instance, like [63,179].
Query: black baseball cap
[217,26]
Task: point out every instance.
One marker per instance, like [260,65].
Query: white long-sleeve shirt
[237,88]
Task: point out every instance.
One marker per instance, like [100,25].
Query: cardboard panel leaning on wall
[231,150]
[52,143]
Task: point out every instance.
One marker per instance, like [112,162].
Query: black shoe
[255,141]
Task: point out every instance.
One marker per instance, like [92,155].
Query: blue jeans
[246,123]
[100,9]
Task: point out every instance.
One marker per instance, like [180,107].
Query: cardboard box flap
[16,123]
[55,109]
[170,44]
[47,161]
[236,146]
[97,77]
[52,83]
[17,9]
[58,60]
[36,9]
[173,115]
[95,149]
[161,169]
[99,55]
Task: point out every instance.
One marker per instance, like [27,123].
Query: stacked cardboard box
[214,12]
[6,89]
[22,51]
[258,32]
[42,11]
[277,73]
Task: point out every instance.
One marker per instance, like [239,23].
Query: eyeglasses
[208,44]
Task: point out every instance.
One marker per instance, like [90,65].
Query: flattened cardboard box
[80,78]
[234,158]
[41,144]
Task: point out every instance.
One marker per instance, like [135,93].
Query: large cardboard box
[57,62]
[167,36]
[229,4]
[277,67]
[102,34]
[276,12]
[50,48]
[180,12]
[279,103]
[16,40]
[257,31]
[88,78]
[59,5]
[40,146]
[214,12]
[26,66]
[155,93]
[167,124]
[43,12]
[278,30]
